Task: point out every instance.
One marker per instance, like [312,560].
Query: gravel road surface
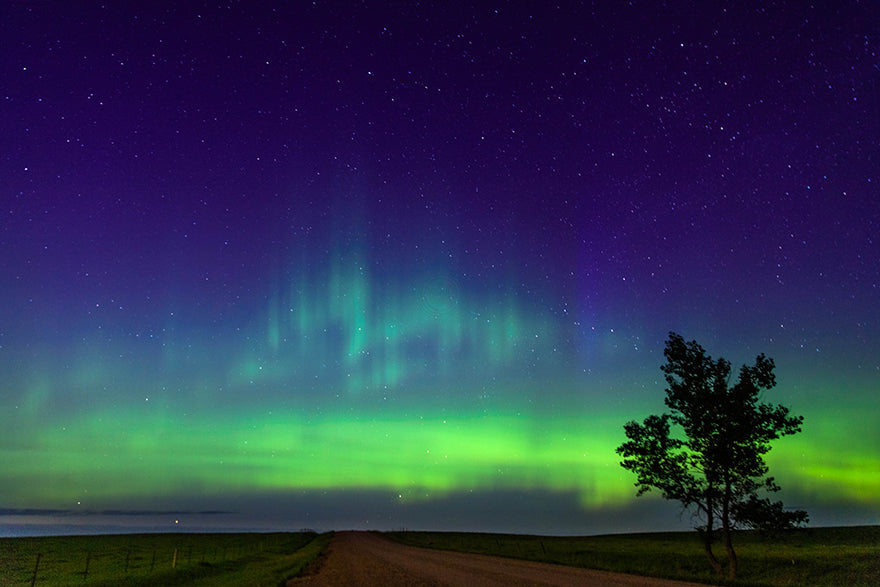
[364,558]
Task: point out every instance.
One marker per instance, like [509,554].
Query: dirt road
[363,558]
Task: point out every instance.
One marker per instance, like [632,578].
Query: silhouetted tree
[713,459]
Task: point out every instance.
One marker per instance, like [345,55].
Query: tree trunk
[707,546]
[731,555]
[726,535]
[707,540]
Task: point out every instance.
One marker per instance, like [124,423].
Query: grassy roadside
[815,556]
[158,559]
[272,570]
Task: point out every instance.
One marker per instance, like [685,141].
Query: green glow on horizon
[112,457]
[827,465]
[415,457]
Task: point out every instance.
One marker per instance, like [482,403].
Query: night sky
[386,265]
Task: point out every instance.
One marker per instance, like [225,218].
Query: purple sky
[317,226]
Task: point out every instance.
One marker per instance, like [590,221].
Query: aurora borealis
[371,265]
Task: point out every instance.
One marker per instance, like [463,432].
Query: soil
[367,558]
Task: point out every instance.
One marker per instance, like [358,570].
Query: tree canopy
[708,451]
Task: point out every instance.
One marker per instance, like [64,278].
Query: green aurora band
[345,384]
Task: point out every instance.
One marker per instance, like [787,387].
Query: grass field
[158,559]
[815,556]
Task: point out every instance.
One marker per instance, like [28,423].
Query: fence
[71,560]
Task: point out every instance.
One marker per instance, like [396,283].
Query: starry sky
[412,265]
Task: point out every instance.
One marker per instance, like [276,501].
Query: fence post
[153,562]
[36,567]
[127,556]
[174,562]
[88,560]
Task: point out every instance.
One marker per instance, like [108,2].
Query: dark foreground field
[158,559]
[816,556]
